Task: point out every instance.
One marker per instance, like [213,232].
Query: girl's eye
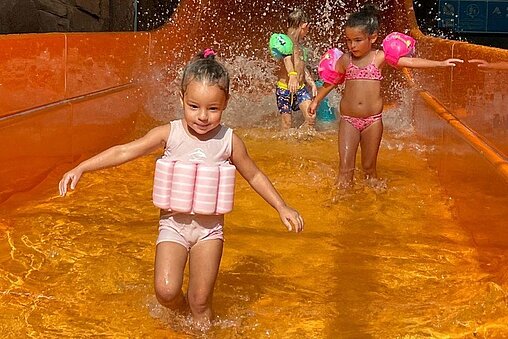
[193,106]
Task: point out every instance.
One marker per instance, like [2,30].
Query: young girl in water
[198,138]
[361,103]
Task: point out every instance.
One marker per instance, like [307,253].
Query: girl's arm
[500,65]
[262,185]
[116,155]
[310,81]
[426,63]
[322,92]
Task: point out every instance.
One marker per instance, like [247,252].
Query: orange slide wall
[60,93]
[66,95]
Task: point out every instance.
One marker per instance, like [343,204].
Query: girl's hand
[484,64]
[313,107]
[313,88]
[291,219]
[73,176]
[452,62]
[481,63]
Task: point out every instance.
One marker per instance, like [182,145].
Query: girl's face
[304,30]
[203,105]
[358,41]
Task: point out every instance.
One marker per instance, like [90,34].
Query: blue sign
[474,16]
[497,19]
[448,14]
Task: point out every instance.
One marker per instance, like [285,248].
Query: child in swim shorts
[291,92]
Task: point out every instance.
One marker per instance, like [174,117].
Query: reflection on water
[372,264]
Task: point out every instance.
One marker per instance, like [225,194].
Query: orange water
[382,264]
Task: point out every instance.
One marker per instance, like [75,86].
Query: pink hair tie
[209,52]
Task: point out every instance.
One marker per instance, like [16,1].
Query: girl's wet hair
[367,17]
[297,17]
[203,67]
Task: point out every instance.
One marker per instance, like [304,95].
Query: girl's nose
[203,115]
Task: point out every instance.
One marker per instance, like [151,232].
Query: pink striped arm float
[194,188]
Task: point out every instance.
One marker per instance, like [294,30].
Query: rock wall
[38,16]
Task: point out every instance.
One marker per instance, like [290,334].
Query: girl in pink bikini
[361,104]
[199,140]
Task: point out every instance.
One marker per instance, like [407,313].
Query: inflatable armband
[280,45]
[397,45]
[326,67]
[194,188]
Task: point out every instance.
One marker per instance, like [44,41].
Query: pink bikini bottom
[362,123]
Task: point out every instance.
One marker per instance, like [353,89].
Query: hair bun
[209,53]
[370,8]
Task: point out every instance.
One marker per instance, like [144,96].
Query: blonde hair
[297,17]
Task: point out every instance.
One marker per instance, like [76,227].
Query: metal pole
[135,5]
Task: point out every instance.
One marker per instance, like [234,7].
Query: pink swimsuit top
[369,72]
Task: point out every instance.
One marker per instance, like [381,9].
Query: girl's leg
[349,138]
[204,261]
[170,260]
[370,141]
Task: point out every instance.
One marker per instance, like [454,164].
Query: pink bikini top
[369,72]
